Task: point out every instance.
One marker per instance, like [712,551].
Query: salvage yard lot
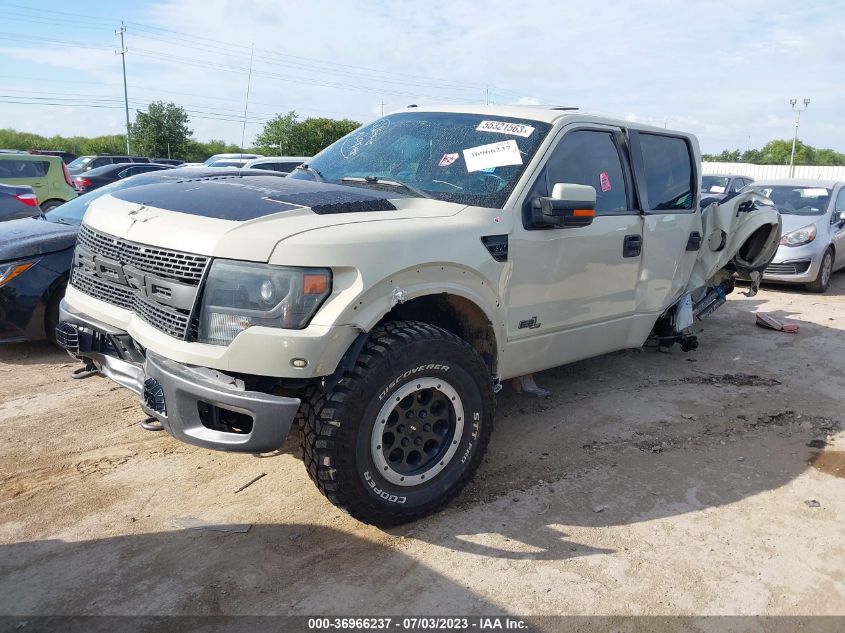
[701,483]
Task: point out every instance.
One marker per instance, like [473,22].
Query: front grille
[788,268]
[182,266]
[177,269]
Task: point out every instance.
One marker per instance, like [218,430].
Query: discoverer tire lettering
[409,373]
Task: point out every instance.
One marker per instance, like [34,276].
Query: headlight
[239,295]
[799,237]
[13,269]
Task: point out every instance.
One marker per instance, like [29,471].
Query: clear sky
[724,70]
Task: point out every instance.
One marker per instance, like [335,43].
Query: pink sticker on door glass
[605,181]
[448,159]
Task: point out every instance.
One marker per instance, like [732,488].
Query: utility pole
[487,96]
[246,104]
[382,108]
[122,52]
[797,111]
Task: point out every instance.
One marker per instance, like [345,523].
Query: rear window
[16,168]
[668,172]
[714,184]
[80,162]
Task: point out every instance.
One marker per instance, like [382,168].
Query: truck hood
[32,237]
[245,218]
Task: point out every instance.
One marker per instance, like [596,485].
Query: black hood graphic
[246,198]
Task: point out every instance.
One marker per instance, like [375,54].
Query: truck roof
[547,114]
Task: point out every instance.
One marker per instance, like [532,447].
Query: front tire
[403,430]
[825,272]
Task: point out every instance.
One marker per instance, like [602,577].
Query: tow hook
[85,372]
[151,424]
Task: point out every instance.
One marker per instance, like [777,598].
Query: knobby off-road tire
[404,430]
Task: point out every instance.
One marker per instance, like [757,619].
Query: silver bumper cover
[194,404]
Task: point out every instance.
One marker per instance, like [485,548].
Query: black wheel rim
[417,431]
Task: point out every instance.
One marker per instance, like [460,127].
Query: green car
[47,175]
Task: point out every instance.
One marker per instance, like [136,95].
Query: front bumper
[795,264]
[194,404]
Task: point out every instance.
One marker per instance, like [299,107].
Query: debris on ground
[770,322]
[812,503]
[734,380]
[527,385]
[250,482]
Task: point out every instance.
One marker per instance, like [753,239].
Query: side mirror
[842,217]
[569,206]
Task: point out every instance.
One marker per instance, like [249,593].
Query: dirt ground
[701,483]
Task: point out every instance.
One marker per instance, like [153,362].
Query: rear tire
[49,205]
[403,430]
[825,272]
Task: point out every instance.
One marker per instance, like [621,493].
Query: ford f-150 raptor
[376,297]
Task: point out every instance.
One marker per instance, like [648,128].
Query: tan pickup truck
[377,296]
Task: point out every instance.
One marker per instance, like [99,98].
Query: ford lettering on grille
[158,285]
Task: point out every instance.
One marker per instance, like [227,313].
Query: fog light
[299,363]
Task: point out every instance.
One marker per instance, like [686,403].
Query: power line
[122,54]
[140,88]
[233,49]
[246,101]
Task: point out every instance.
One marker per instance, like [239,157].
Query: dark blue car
[36,254]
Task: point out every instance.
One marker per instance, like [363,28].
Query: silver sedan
[813,242]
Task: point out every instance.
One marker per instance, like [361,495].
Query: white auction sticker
[492,155]
[503,127]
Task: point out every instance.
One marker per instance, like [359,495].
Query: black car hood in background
[31,237]
[241,199]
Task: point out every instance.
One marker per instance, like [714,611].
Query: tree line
[163,129]
[777,152]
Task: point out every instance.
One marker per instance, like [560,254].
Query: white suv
[376,297]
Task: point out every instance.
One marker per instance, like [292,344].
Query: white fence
[758,172]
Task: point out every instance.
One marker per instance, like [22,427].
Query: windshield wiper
[389,182]
[310,170]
